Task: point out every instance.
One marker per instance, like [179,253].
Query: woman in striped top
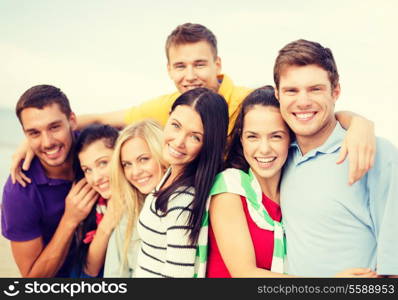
[170,221]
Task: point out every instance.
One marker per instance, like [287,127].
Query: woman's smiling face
[140,167]
[95,163]
[265,141]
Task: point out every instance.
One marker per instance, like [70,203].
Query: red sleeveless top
[263,242]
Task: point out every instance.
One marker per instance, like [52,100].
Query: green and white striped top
[245,184]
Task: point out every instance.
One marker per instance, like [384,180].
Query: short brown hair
[302,53]
[40,96]
[189,33]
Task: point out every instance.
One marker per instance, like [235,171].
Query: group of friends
[214,180]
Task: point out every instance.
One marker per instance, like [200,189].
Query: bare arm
[24,152]
[233,238]
[359,144]
[156,109]
[230,228]
[97,249]
[115,118]
[33,258]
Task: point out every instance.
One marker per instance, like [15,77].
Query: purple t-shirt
[36,210]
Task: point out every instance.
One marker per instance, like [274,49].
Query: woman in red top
[239,243]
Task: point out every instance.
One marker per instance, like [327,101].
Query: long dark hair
[263,96]
[200,173]
[88,136]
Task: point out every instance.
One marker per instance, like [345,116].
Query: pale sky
[109,55]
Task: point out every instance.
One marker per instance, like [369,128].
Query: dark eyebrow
[102,157]
[278,131]
[178,63]
[140,156]
[285,88]
[174,119]
[57,122]
[31,130]
[318,85]
[251,132]
[179,123]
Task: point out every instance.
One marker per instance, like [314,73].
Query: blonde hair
[127,199]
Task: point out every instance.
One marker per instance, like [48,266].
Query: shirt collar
[226,86]
[39,175]
[332,144]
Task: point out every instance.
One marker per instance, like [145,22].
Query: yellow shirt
[158,109]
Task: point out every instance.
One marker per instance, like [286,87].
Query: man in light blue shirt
[330,225]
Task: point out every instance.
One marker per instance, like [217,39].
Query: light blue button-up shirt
[331,226]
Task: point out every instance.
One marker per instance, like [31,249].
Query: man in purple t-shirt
[40,219]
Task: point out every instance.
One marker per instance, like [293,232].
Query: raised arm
[33,258]
[157,109]
[115,119]
[25,154]
[97,249]
[359,144]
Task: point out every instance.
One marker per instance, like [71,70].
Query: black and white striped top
[165,247]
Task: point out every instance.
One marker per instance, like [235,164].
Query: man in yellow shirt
[193,61]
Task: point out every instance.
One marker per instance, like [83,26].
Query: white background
[109,55]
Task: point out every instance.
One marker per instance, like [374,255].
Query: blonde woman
[137,167]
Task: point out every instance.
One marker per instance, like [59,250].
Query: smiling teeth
[52,151]
[175,152]
[143,180]
[304,116]
[103,185]
[266,160]
[192,86]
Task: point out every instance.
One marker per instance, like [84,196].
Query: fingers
[360,163]
[22,178]
[358,271]
[89,198]
[18,176]
[372,159]
[342,154]
[87,203]
[80,201]
[13,172]
[17,157]
[370,274]
[28,159]
[370,156]
[19,179]
[77,187]
[25,178]
[362,273]
[353,167]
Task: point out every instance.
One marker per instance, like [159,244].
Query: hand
[357,273]
[79,202]
[23,152]
[110,219]
[360,145]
